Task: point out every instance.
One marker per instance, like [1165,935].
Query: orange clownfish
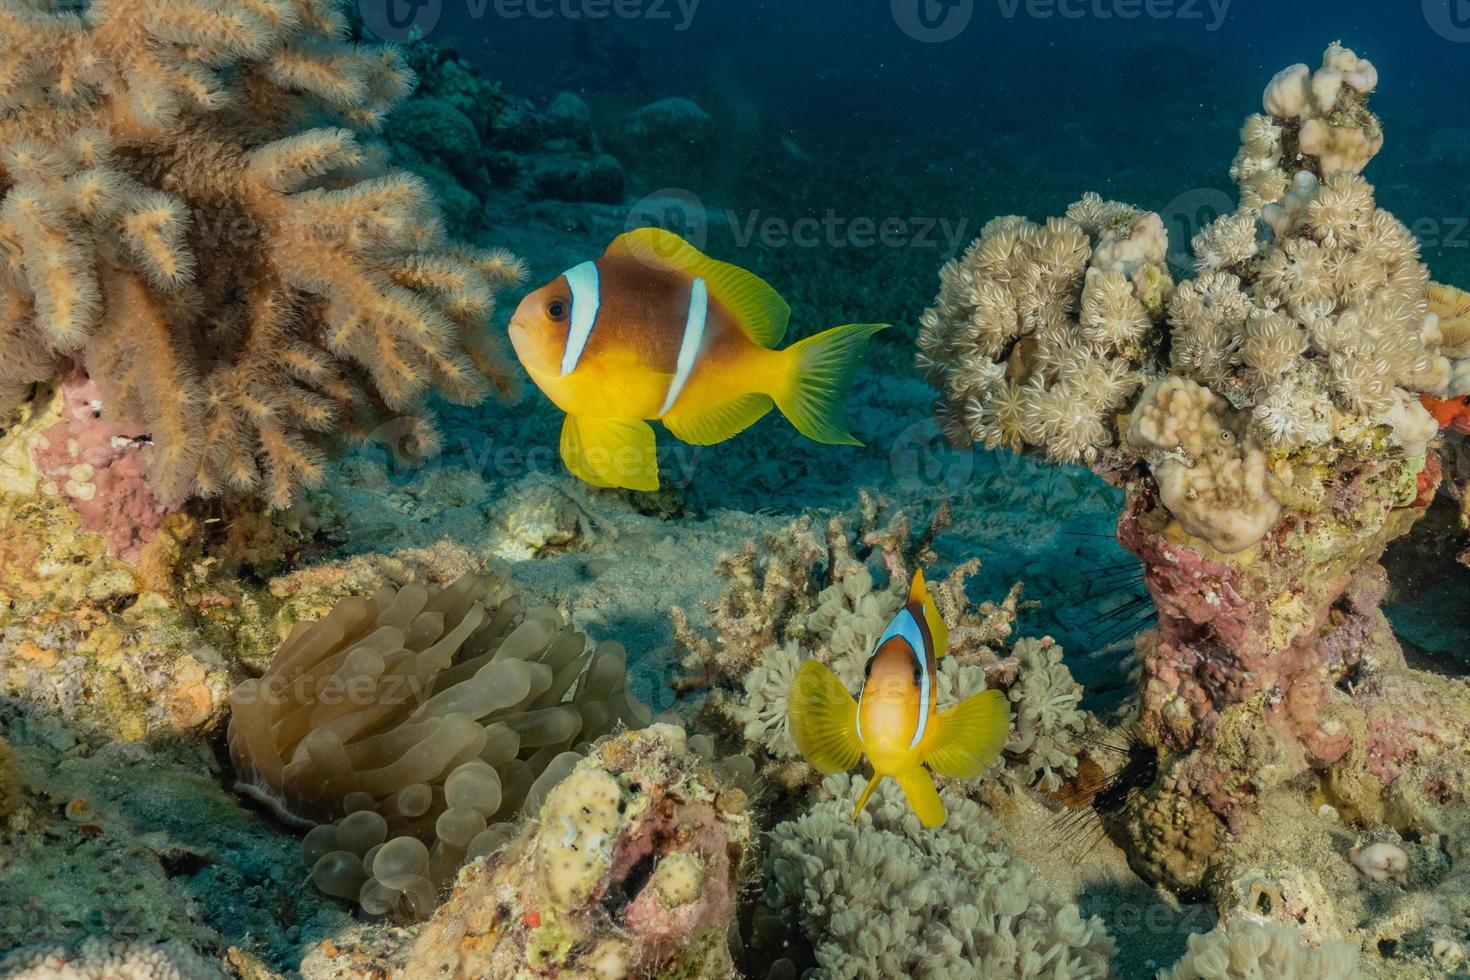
[656,330]
[896,722]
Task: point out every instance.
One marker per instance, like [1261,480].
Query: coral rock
[630,869]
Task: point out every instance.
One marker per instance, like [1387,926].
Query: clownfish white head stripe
[689,347]
[586,301]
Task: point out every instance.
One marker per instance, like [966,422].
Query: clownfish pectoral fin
[755,307]
[919,595]
[964,741]
[707,427]
[823,718]
[918,789]
[867,792]
[610,452]
[818,370]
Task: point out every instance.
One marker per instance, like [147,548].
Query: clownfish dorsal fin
[755,307]
[919,597]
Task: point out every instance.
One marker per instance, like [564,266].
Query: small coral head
[539,328]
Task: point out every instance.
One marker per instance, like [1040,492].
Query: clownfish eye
[557,309]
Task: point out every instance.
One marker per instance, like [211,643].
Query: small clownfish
[656,330]
[895,721]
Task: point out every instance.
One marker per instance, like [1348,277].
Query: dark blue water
[1139,99]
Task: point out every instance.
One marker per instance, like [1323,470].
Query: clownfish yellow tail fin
[918,789]
[867,792]
[817,372]
[823,718]
[920,598]
[965,740]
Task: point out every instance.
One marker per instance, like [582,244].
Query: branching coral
[881,897]
[1324,114]
[1245,948]
[187,213]
[412,726]
[803,598]
[1048,719]
[629,869]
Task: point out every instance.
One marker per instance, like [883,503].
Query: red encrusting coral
[689,829]
[1452,414]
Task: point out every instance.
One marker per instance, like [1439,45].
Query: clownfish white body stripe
[689,346]
[654,330]
[895,722]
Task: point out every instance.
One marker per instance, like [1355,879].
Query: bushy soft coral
[187,212]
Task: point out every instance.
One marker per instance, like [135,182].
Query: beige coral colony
[233,746]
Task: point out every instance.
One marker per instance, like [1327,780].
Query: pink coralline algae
[695,832]
[1410,719]
[1284,623]
[97,464]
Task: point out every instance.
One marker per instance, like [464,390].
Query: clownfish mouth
[519,334]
